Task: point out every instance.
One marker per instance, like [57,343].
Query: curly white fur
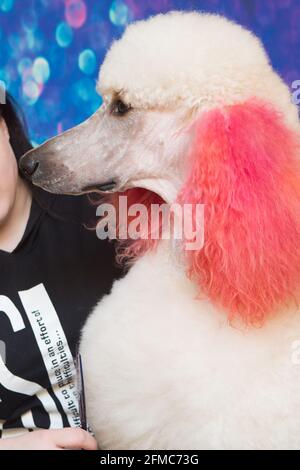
[197,60]
[163,369]
[166,371]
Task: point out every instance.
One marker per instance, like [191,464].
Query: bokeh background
[50,50]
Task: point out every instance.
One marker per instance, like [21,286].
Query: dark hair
[14,119]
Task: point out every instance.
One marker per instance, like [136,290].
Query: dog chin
[57,187]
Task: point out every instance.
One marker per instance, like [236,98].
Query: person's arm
[54,439]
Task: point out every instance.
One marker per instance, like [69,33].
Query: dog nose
[28,167]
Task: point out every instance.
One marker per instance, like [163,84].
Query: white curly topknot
[191,59]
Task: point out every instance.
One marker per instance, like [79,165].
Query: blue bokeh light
[6,5]
[87,61]
[41,70]
[31,91]
[24,66]
[29,19]
[64,34]
[119,13]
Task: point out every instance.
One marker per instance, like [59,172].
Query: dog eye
[119,108]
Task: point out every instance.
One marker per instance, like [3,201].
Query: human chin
[6,205]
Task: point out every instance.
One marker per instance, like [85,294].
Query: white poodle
[193,349]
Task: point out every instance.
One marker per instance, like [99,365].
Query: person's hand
[53,439]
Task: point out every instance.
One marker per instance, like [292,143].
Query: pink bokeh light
[75,13]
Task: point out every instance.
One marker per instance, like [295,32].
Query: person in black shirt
[53,271]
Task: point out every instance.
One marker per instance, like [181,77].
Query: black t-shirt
[48,286]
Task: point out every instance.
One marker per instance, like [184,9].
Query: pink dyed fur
[245,169]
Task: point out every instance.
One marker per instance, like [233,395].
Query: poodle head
[156,83]
[193,112]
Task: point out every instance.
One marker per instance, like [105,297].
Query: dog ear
[245,170]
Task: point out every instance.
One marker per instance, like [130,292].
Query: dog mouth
[146,188]
[99,192]
[108,186]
